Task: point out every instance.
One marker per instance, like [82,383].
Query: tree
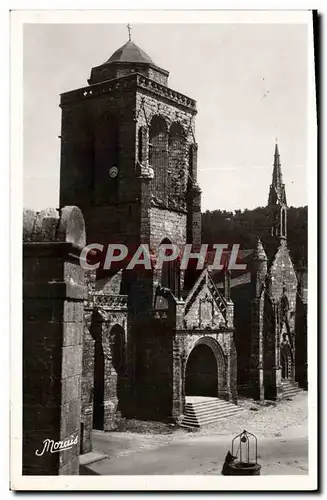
[245,226]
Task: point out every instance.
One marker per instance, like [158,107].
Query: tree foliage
[245,226]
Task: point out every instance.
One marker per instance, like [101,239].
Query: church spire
[277,199]
[277,172]
[277,188]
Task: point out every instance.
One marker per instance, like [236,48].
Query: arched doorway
[201,377]
[205,371]
[286,362]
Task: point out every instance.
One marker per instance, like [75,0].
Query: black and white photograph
[169,170]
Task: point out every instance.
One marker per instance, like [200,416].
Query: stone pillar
[272,369]
[194,216]
[110,399]
[87,383]
[233,370]
[256,361]
[178,365]
[227,290]
[53,294]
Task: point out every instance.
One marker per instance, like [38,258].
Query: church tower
[277,202]
[129,156]
[129,162]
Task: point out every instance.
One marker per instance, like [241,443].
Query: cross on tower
[128,26]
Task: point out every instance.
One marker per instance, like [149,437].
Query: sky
[249,81]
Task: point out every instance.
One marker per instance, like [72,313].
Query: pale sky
[226,68]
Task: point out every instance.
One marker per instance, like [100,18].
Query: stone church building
[156,343]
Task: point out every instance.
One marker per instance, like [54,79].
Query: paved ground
[282,444]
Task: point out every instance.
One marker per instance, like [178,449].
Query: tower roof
[130,53]
[259,252]
[128,59]
[277,178]
[277,188]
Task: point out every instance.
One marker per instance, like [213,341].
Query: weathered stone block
[71,361]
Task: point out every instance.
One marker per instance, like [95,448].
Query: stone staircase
[200,411]
[289,388]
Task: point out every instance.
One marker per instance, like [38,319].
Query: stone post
[53,295]
[178,376]
[256,361]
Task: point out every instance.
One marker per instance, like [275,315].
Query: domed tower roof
[126,60]
[130,53]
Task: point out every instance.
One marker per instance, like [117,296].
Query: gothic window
[170,272]
[283,222]
[177,160]
[158,156]
[140,145]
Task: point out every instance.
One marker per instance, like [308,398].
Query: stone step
[206,411]
[208,418]
[202,422]
[290,382]
[210,411]
[207,407]
[206,404]
[289,394]
[290,388]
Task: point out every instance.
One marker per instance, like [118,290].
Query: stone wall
[53,295]
[154,368]
[104,384]
[166,224]
[282,274]
[282,286]
[301,343]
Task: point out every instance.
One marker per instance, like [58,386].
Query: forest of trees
[244,226]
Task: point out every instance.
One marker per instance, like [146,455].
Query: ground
[281,430]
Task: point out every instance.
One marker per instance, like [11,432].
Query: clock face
[113,171]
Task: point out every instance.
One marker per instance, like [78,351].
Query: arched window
[158,156]
[140,145]
[177,160]
[283,222]
[170,274]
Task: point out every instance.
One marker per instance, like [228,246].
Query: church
[169,344]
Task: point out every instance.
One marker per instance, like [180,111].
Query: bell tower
[129,155]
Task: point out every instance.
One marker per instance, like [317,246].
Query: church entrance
[286,362]
[201,376]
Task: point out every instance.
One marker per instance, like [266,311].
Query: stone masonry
[53,294]
[104,344]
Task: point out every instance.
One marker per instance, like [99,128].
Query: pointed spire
[277,188]
[277,201]
[259,253]
[277,178]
